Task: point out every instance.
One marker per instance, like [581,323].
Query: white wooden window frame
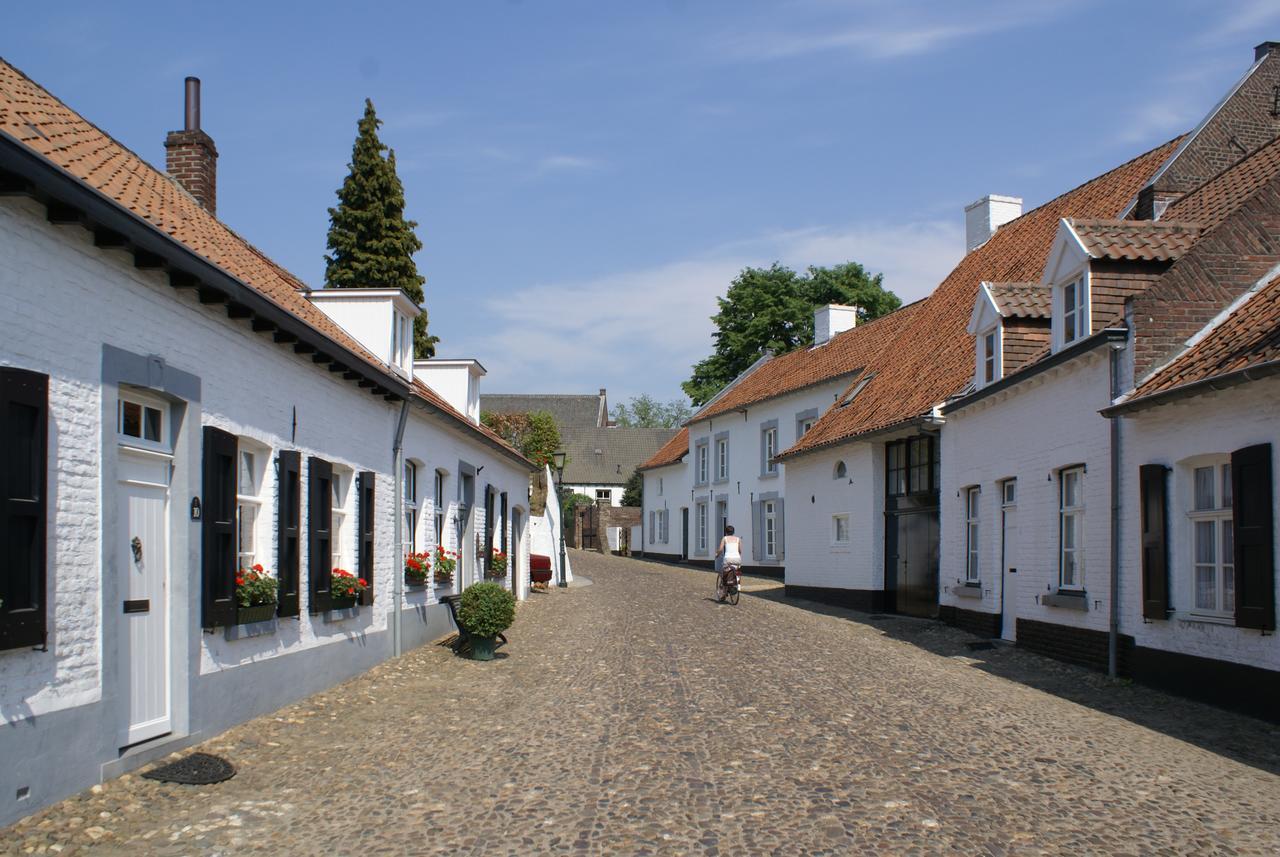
[769,525]
[1071,530]
[1074,315]
[409,485]
[145,407]
[770,449]
[1211,516]
[972,533]
[438,507]
[340,533]
[840,530]
[251,471]
[702,525]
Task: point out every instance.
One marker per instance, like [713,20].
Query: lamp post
[558,457]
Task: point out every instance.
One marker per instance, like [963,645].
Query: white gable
[1067,256]
[985,313]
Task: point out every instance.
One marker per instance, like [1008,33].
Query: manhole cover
[980,646]
[198,769]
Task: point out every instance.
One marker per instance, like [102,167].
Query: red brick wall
[1221,267]
[1024,338]
[190,157]
[1112,282]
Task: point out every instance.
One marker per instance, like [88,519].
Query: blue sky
[588,176]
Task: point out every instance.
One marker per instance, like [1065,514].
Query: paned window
[409,539]
[1213,543]
[340,487]
[702,527]
[770,450]
[971,496]
[722,459]
[249,505]
[803,427]
[1074,319]
[439,507]
[604,496]
[896,469]
[140,421]
[702,464]
[1071,528]
[989,358]
[840,529]
[770,516]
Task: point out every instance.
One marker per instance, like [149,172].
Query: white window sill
[1204,619]
[1067,599]
[967,590]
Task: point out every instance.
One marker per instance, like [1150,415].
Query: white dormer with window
[457,381]
[988,332]
[1067,274]
[381,320]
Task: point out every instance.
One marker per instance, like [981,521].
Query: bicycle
[728,584]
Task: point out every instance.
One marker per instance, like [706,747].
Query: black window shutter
[319,533]
[24,464]
[1254,537]
[364,549]
[488,526]
[218,530]
[1153,487]
[289,531]
[502,533]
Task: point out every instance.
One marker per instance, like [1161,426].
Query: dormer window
[401,342]
[989,358]
[1075,322]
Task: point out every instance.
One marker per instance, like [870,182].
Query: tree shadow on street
[1237,736]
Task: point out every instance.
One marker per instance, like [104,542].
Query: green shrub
[487,609]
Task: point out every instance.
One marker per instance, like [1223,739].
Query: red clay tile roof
[1249,336]
[844,354]
[671,452]
[1022,300]
[35,118]
[932,357]
[1147,240]
[1211,202]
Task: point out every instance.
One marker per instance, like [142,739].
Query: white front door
[1009,570]
[142,561]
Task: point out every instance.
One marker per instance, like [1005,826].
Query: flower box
[414,587]
[336,603]
[255,613]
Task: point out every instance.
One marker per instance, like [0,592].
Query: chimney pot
[984,217]
[192,104]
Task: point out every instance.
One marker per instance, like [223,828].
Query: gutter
[397,579]
[1113,628]
[75,201]
[1195,388]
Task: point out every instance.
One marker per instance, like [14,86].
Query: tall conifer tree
[371,244]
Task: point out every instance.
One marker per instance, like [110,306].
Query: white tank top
[732,551]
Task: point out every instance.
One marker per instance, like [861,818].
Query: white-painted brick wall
[815,496]
[1039,426]
[667,488]
[1216,423]
[61,299]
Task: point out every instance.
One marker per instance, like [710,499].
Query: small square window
[840,529]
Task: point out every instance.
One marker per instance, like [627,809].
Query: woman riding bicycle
[730,554]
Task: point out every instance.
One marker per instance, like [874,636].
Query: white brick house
[173,409]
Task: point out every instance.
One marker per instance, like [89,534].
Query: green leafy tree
[534,434]
[647,412]
[371,243]
[771,309]
[633,491]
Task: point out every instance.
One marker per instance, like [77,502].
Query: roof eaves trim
[456,421]
[863,437]
[1194,388]
[53,184]
[1107,336]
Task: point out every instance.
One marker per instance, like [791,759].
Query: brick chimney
[190,156]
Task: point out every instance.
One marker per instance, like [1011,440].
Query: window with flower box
[409,538]
[438,506]
[340,514]
[252,464]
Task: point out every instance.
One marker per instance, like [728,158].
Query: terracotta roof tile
[1147,240]
[931,358]
[34,117]
[671,453]
[844,354]
[1249,336]
[1022,300]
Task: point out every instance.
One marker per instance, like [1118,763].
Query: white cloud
[873,30]
[640,331]
[1249,17]
[566,163]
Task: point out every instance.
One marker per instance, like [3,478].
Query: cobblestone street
[637,716]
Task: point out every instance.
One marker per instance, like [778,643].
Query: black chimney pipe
[193,104]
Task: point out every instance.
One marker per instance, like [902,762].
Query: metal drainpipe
[397,570]
[1113,631]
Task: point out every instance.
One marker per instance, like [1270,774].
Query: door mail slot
[142,605]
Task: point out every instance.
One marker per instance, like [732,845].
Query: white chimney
[455,381]
[984,217]
[832,319]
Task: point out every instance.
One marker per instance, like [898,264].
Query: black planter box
[256,613]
